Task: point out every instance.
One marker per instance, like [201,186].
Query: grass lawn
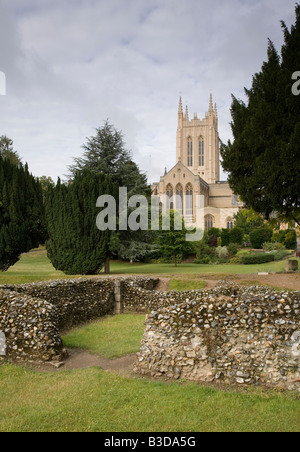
[95,400]
[92,400]
[186,284]
[110,337]
[196,269]
[32,267]
[35,266]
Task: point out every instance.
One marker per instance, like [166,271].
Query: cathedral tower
[197,144]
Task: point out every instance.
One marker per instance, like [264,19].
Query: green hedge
[260,258]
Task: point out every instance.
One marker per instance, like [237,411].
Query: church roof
[187,170]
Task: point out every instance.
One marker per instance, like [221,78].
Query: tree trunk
[107,266]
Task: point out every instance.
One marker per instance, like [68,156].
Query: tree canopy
[75,245]
[22,219]
[263,161]
[7,151]
[106,153]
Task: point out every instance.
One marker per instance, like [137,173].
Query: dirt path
[82,359]
[279,280]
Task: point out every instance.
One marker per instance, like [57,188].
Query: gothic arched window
[169,193]
[201,152]
[189,200]
[179,198]
[229,222]
[209,222]
[190,153]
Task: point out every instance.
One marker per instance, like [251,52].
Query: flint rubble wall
[230,334]
[32,316]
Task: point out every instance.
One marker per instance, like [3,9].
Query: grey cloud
[71,64]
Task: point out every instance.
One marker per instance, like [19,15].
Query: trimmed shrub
[233,248]
[225,237]
[260,236]
[235,260]
[236,235]
[259,258]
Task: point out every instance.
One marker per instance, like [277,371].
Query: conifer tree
[22,221]
[263,161]
[75,244]
[106,153]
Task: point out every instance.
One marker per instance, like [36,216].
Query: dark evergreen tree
[106,153]
[75,244]
[263,161]
[22,220]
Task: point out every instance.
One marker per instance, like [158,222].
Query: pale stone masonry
[227,335]
[197,172]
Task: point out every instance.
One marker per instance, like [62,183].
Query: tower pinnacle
[186,113]
[180,111]
[211,108]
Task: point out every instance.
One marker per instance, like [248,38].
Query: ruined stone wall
[229,334]
[32,316]
[77,300]
[140,296]
[28,327]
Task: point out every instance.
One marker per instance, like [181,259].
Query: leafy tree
[263,161]
[7,151]
[22,222]
[46,183]
[173,241]
[286,237]
[291,239]
[76,245]
[248,219]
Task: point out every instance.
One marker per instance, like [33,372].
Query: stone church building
[197,172]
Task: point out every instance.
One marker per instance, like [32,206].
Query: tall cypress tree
[22,222]
[263,161]
[75,245]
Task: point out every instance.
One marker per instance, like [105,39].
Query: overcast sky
[71,64]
